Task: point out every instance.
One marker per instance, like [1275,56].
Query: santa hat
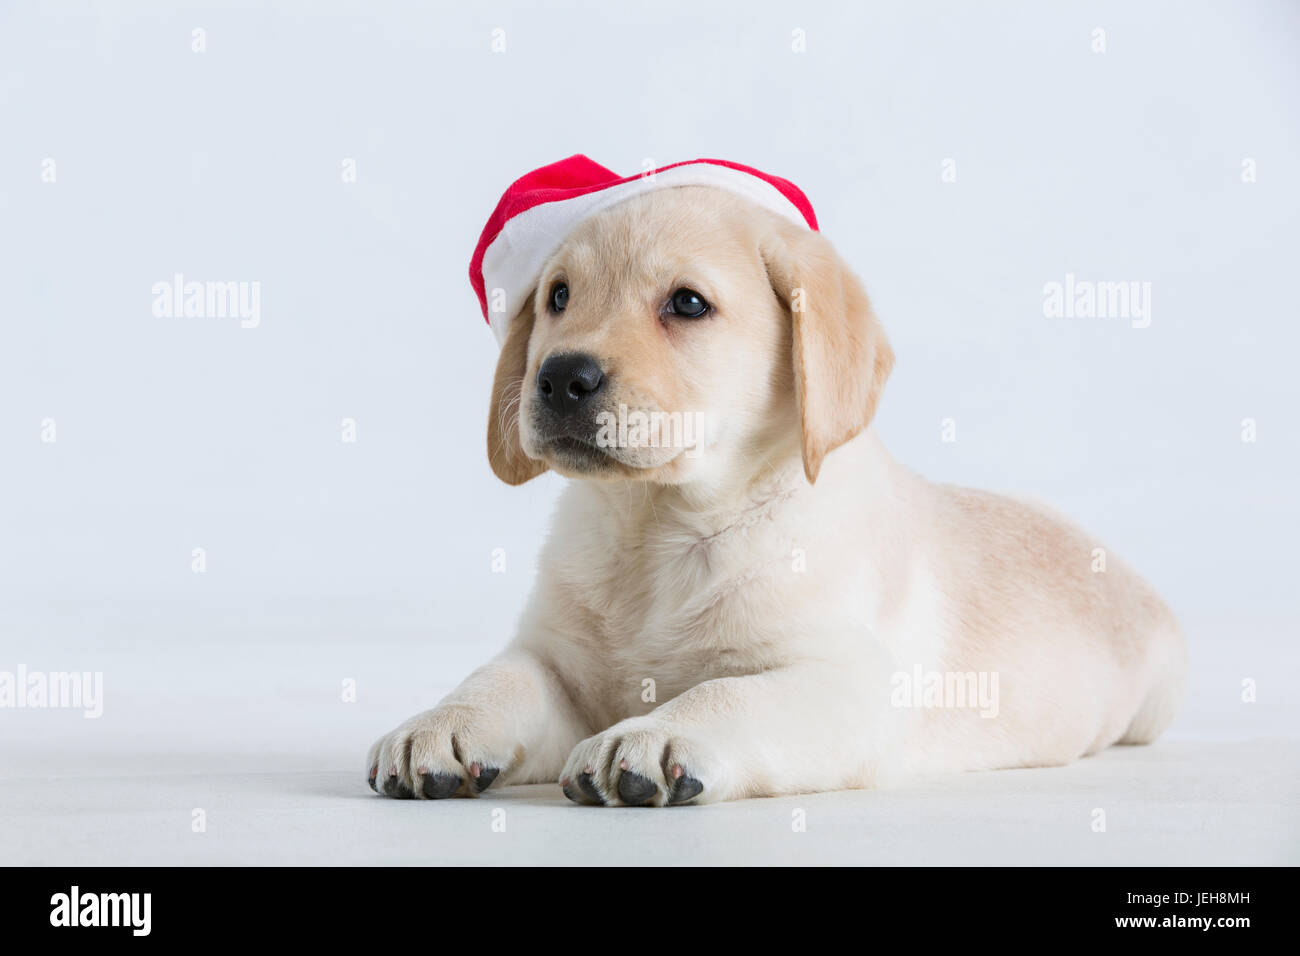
[540,209]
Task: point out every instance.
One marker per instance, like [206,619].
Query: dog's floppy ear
[505,454]
[841,358]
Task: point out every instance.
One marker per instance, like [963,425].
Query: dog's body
[716,626]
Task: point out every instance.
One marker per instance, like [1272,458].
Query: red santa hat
[540,209]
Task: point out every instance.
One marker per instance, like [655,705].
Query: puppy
[774,606]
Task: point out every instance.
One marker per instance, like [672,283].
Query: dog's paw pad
[685,789]
[485,776]
[394,787]
[438,786]
[635,789]
[585,791]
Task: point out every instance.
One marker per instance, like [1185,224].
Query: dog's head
[679,335]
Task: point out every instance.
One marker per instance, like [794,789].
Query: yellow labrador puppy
[768,604]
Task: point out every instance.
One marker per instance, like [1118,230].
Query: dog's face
[685,335]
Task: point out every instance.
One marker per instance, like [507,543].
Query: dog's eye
[559,297]
[688,303]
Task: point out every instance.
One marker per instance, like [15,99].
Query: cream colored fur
[766,591]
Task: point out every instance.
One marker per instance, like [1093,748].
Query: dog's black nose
[567,381]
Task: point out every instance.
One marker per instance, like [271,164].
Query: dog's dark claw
[635,789]
[485,778]
[686,789]
[437,786]
[393,787]
[371,780]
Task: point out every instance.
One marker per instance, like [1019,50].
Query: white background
[371,561]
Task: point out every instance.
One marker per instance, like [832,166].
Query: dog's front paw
[639,763]
[444,752]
